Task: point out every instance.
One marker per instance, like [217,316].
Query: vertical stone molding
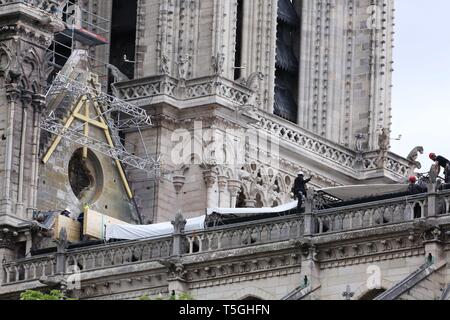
[210,177]
[224,199]
[234,186]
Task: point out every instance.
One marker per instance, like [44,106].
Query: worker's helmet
[67,209]
[413,179]
[301,173]
[433,156]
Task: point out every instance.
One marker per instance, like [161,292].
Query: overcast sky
[421,93]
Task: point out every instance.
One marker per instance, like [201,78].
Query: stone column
[178,183]
[234,186]
[250,203]
[26,101]
[61,252]
[179,224]
[309,224]
[12,94]
[210,177]
[432,201]
[224,200]
[309,266]
[38,104]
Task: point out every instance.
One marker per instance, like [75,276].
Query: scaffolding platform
[83,30]
[85,36]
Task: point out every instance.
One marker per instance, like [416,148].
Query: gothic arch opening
[239,37]
[417,211]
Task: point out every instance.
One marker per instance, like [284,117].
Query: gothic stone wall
[55,192]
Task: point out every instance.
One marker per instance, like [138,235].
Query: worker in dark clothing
[299,189]
[413,187]
[66,213]
[444,163]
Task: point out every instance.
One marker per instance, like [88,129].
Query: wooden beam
[94,224]
[90,121]
[73,228]
[68,123]
[122,174]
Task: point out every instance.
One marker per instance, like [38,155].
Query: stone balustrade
[54,7]
[249,234]
[29,269]
[345,158]
[394,163]
[372,215]
[241,235]
[82,260]
[119,254]
[184,92]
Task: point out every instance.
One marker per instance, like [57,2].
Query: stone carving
[178,182]
[253,80]
[176,269]
[165,69]
[359,142]
[5,58]
[62,243]
[183,66]
[8,238]
[383,140]
[217,63]
[35,69]
[414,154]
[434,173]
[253,83]
[179,223]
[383,144]
[118,75]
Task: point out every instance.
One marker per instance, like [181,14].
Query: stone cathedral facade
[316,73]
[296,84]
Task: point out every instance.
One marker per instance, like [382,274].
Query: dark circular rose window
[85,176]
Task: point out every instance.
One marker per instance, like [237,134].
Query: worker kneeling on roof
[444,163]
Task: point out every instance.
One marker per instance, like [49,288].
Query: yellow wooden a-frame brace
[76,113]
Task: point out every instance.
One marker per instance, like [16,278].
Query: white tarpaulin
[247,211]
[135,232]
[346,193]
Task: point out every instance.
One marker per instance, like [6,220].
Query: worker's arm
[438,166]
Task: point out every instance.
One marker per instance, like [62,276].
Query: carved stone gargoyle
[62,243]
[414,155]
[176,269]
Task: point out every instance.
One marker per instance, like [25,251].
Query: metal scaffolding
[88,31]
[83,29]
[65,93]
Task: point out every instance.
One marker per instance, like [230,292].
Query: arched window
[417,211]
[239,36]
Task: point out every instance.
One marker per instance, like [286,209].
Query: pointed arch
[253,292]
